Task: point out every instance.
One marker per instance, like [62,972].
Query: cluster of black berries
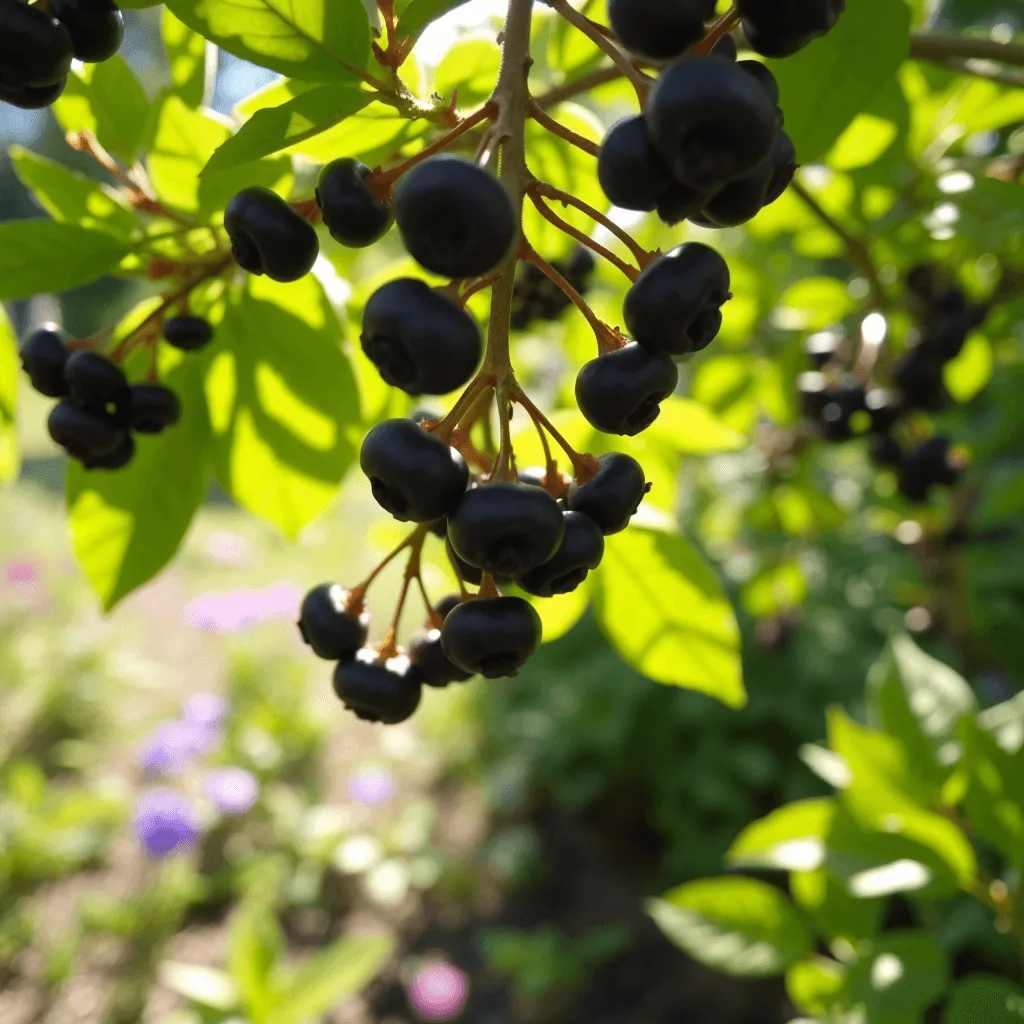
[537,297]
[674,308]
[98,409]
[843,408]
[38,43]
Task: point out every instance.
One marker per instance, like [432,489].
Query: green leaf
[10,369]
[338,972]
[813,303]
[825,85]
[967,375]
[186,57]
[128,525]
[72,197]
[27,257]
[898,976]
[917,698]
[315,40]
[738,926]
[815,985]
[108,100]
[664,612]
[985,998]
[420,13]
[1005,721]
[791,838]
[275,128]
[471,67]
[690,428]
[254,945]
[834,911]
[282,402]
[203,985]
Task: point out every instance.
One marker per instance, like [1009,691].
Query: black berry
[613,495]
[455,218]
[884,408]
[927,466]
[778,28]
[187,333]
[712,121]
[659,29]
[447,604]
[465,572]
[742,200]
[813,394]
[823,348]
[413,474]
[675,305]
[96,27]
[268,236]
[153,408]
[681,202]
[506,529]
[629,168]
[376,690]
[118,458]
[431,664]
[725,48]
[842,402]
[621,392]
[35,48]
[96,383]
[491,637]
[83,434]
[763,75]
[326,624]
[581,550]
[33,97]
[44,356]
[885,450]
[419,339]
[918,375]
[947,337]
[351,212]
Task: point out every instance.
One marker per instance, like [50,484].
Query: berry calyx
[326,624]
[96,27]
[506,529]
[351,212]
[376,690]
[675,305]
[268,236]
[431,664]
[492,637]
[83,434]
[456,219]
[96,383]
[152,408]
[44,355]
[630,170]
[621,392]
[413,474]
[419,339]
[187,333]
[581,550]
[659,29]
[35,49]
[612,496]
[712,121]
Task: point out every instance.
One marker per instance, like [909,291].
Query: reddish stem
[478,286]
[559,129]
[721,28]
[584,465]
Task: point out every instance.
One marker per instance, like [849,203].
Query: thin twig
[941,46]
[559,129]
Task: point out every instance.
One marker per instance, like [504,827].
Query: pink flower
[228,548]
[235,610]
[438,991]
[23,571]
[371,786]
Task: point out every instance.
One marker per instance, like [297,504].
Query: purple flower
[165,822]
[438,991]
[371,785]
[206,709]
[172,745]
[236,610]
[233,790]
[228,548]
[23,571]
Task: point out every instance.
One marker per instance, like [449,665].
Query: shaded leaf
[985,998]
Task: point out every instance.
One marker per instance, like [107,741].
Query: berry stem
[640,82]
[584,466]
[608,340]
[550,465]
[474,389]
[504,468]
[559,129]
[357,595]
[477,286]
[389,647]
[585,83]
[941,46]
[721,28]
[584,239]
[640,254]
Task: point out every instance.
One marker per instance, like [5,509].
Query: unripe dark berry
[413,474]
[456,219]
[35,48]
[419,339]
[431,664]
[712,121]
[885,450]
[96,27]
[621,392]
[778,28]
[153,408]
[492,637]
[113,460]
[188,333]
[81,433]
[681,202]
[581,550]
[947,337]
[506,529]
[34,97]
[612,496]
[268,236]
[674,306]
[44,355]
[763,75]
[351,212]
[918,375]
[929,465]
[96,383]
[630,170]
[376,690]
[659,29]
[326,624]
